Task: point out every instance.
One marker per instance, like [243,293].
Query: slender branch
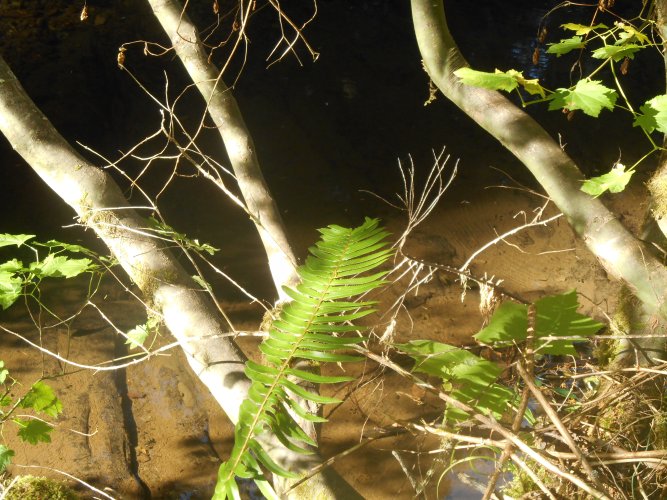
[489,423]
[535,222]
[224,110]
[654,456]
[553,416]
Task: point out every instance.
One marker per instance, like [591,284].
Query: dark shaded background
[323,130]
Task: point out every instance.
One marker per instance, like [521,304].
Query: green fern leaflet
[310,328]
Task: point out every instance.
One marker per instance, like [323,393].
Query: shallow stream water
[324,131]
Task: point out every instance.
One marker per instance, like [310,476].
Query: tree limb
[224,110]
[621,254]
[657,185]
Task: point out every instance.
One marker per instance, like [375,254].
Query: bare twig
[489,423]
[537,221]
[553,416]
[523,405]
[116,365]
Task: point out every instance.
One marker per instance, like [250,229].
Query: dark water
[323,130]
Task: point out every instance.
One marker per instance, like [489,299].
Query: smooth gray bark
[621,254]
[658,182]
[100,205]
[224,110]
[187,312]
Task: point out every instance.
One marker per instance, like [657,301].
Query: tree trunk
[658,182]
[188,314]
[621,254]
[223,109]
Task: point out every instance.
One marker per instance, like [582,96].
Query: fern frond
[311,327]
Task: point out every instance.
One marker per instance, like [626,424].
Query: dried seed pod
[216,7]
[536,56]
[570,116]
[120,58]
[84,12]
[625,65]
[543,35]
[605,4]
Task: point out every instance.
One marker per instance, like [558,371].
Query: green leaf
[202,283]
[590,96]
[508,326]
[266,489]
[14,239]
[557,316]
[614,181]
[581,29]
[654,115]
[5,457]
[12,266]
[507,80]
[489,399]
[57,266]
[631,33]
[203,247]
[10,288]
[616,52]
[495,81]
[3,372]
[472,378]
[533,87]
[565,46]
[435,358]
[137,336]
[41,398]
[33,431]
[341,267]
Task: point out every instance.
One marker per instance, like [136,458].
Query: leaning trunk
[621,254]
[224,110]
[188,314]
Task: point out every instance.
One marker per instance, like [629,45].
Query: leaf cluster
[473,380]
[315,327]
[615,45]
[18,279]
[557,327]
[40,399]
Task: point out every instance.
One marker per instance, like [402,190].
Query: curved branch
[620,253]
